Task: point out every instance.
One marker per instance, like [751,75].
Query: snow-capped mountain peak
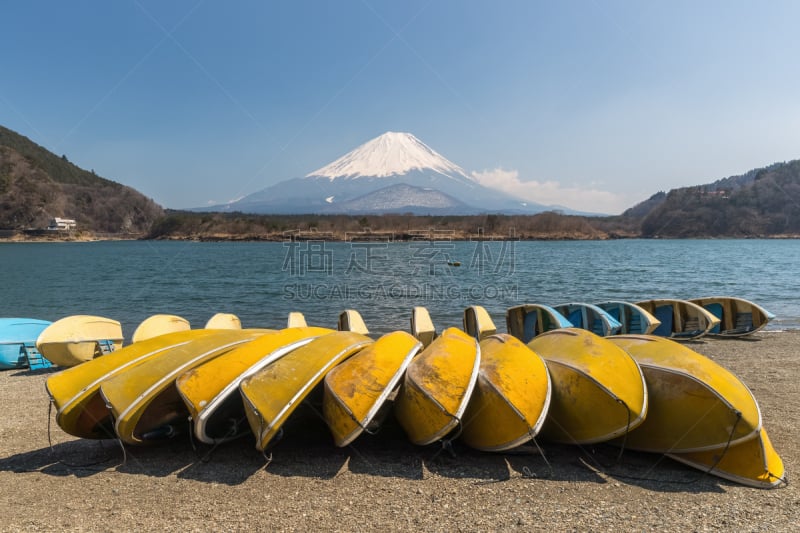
[390,154]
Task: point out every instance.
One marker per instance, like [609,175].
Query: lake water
[262,282]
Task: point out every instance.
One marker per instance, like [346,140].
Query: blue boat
[680,319]
[634,319]
[529,320]
[18,343]
[737,317]
[590,317]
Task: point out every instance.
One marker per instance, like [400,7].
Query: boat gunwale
[632,423]
[748,481]
[601,313]
[354,346]
[709,317]
[456,417]
[724,400]
[682,373]
[158,385]
[210,408]
[532,431]
[97,382]
[768,316]
[378,404]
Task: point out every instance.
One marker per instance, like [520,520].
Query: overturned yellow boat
[156,325]
[695,404]
[477,322]
[351,320]
[79,338]
[273,393]
[437,387]
[224,321]
[211,391]
[75,392]
[511,397]
[422,326]
[753,462]
[598,389]
[144,401]
[357,389]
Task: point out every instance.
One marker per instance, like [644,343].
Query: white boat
[157,325]
[738,317]
[79,338]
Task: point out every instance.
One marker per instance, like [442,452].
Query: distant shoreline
[79,237]
[358,237]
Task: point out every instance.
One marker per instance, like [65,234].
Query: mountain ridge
[37,185]
[760,202]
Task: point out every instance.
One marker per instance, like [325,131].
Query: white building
[62,224]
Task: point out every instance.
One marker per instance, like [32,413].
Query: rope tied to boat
[447,444]
[60,460]
[189,419]
[784,480]
[627,429]
[727,444]
[232,432]
[365,428]
[525,470]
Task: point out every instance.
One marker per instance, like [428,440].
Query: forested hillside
[37,185]
[762,203]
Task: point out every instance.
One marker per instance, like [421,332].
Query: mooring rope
[55,454]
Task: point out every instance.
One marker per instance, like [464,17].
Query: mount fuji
[392,173]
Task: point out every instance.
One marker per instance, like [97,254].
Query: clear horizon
[593,106]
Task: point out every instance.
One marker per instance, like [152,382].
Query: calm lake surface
[263,282]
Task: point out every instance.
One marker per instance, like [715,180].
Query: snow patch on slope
[390,154]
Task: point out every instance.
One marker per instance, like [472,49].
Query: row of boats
[495,391]
[37,343]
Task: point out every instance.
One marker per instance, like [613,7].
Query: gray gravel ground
[383,483]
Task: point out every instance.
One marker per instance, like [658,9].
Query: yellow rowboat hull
[296,319]
[357,389]
[754,463]
[159,325]
[695,404]
[598,389]
[144,400]
[422,326]
[680,319]
[75,339]
[211,391]
[75,392]
[224,321]
[511,397]
[477,322]
[273,394]
[437,387]
[350,320]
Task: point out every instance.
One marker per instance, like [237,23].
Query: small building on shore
[62,224]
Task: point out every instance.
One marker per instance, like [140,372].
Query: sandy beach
[52,481]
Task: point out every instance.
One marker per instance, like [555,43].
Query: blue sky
[588,104]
